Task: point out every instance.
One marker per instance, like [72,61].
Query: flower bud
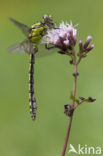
[90,48]
[89,38]
[66,42]
[61,52]
[74,39]
[80,45]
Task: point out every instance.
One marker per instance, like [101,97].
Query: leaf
[74,99]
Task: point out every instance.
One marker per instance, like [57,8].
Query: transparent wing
[25,29]
[43,52]
[24,46]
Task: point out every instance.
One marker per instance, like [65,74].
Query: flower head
[63,37]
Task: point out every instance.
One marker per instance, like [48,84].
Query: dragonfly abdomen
[32,99]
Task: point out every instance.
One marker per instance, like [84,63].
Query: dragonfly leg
[47,47]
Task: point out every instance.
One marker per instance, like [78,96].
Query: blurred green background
[19,135]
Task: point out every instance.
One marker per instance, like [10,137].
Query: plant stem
[71,117]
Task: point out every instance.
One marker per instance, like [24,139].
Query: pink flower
[63,37]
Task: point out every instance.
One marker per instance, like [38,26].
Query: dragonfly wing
[24,46]
[25,29]
[44,52]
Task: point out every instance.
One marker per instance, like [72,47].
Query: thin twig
[71,117]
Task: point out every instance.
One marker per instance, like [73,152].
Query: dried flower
[68,109]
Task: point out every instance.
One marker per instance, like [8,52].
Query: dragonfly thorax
[36,33]
[39,29]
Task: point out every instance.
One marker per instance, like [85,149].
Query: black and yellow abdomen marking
[32,99]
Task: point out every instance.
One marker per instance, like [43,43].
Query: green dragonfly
[30,45]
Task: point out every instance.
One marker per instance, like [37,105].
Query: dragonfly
[33,34]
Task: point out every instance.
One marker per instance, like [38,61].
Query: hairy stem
[71,117]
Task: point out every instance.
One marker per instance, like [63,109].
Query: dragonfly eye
[50,16]
[45,17]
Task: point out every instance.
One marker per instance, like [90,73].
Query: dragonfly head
[47,20]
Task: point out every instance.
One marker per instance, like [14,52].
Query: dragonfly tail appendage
[32,99]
